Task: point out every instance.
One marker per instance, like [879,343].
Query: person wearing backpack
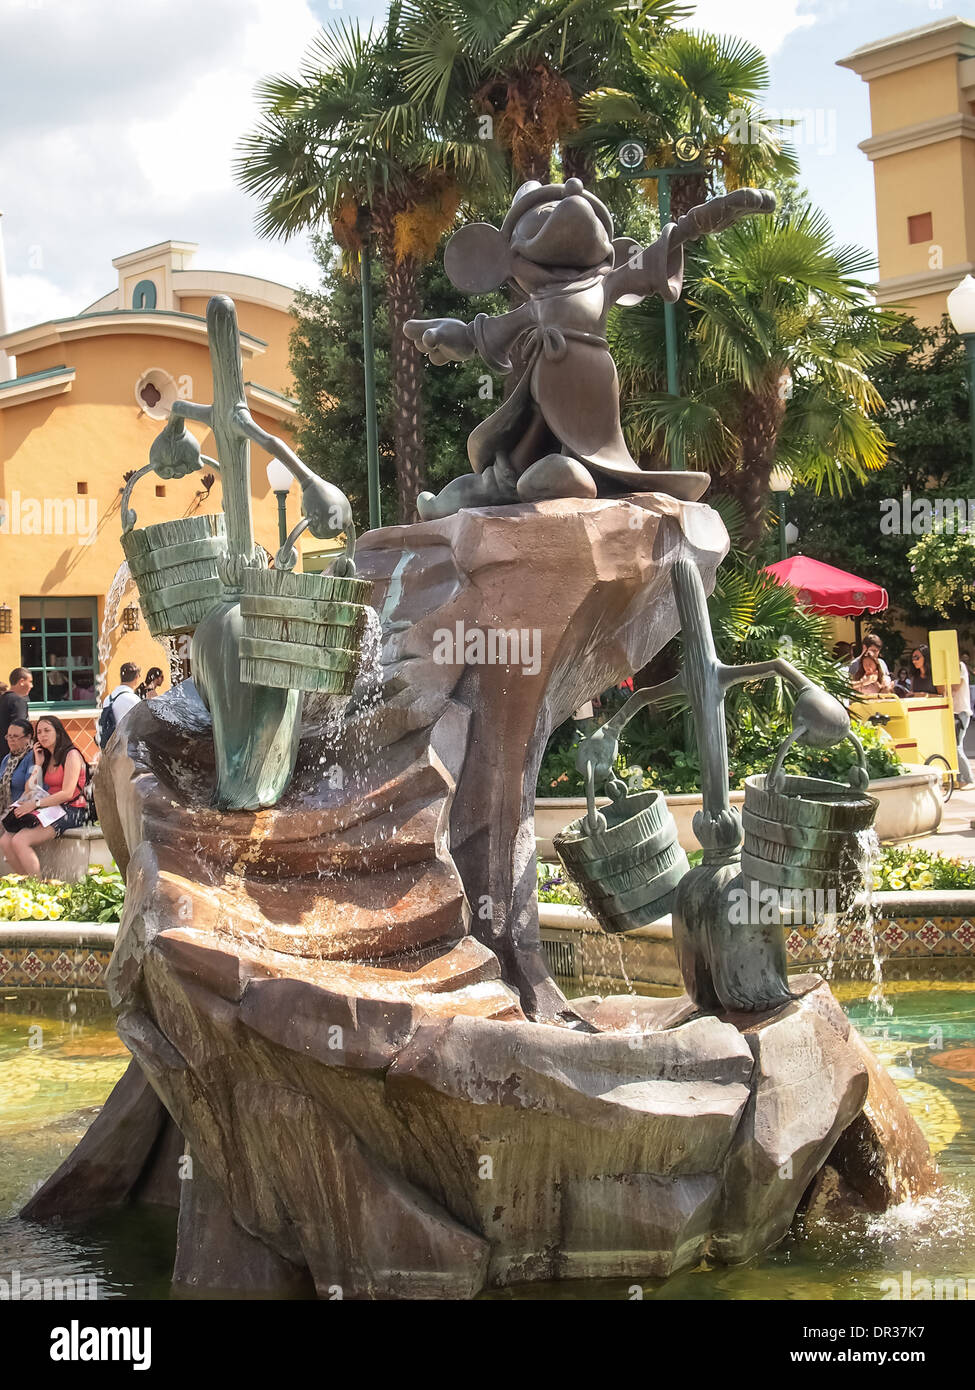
[122,699]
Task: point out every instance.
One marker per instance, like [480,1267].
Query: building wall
[922,148]
[274,327]
[93,435]
[920,93]
[917,181]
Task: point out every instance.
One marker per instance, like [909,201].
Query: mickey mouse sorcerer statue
[557,434]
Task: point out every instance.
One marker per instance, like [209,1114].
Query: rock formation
[342,1002]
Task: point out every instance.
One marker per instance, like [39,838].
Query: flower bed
[915,870]
[98,897]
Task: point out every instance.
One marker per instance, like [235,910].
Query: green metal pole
[282,517]
[369,371]
[670,313]
[969,340]
[783,545]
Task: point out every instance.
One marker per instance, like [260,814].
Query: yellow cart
[922,727]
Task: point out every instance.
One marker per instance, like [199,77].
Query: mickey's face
[564,233]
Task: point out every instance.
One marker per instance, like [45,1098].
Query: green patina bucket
[302,631]
[174,566]
[626,861]
[803,850]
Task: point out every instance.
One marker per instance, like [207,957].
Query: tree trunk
[762,414]
[578,164]
[687,192]
[406,369]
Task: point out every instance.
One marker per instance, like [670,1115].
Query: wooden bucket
[302,631]
[174,566]
[802,850]
[628,868]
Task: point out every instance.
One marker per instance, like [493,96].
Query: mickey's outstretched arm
[659,268]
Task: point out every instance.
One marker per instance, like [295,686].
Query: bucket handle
[615,790]
[344,566]
[858,778]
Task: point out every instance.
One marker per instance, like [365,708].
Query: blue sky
[116,136]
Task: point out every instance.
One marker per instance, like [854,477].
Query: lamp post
[631,157]
[369,369]
[279,481]
[961,309]
[780,481]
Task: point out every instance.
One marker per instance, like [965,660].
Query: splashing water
[618,943]
[113,602]
[870,853]
[172,645]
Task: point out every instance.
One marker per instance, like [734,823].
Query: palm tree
[524,65]
[346,144]
[778,339]
[706,86]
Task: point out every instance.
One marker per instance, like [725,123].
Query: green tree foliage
[943,570]
[753,619]
[778,343]
[925,418]
[326,363]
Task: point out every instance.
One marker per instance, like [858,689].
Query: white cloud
[120,127]
[35,299]
[765,22]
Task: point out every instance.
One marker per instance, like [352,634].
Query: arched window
[144,295]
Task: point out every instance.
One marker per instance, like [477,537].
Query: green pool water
[53,1080]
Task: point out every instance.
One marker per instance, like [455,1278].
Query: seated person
[921,682]
[902,685]
[17,765]
[868,673]
[64,772]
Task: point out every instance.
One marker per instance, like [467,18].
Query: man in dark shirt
[13,704]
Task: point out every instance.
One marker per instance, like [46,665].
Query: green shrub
[651,757]
[895,870]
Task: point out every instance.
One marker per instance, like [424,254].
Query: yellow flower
[896,882]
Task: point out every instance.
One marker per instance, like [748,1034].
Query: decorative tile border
[890,937]
[908,929]
[59,955]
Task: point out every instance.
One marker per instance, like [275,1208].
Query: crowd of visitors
[44,777]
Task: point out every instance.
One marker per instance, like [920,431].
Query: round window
[155,392]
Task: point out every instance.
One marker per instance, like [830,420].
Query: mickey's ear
[626,248]
[477,258]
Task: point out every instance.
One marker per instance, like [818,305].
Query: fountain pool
[923,1031]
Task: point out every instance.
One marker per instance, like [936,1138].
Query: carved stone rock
[342,1002]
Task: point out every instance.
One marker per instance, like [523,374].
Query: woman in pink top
[64,772]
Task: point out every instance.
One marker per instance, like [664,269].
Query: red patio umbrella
[825,589]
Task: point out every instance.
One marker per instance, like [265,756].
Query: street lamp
[279,481]
[631,157]
[961,309]
[780,481]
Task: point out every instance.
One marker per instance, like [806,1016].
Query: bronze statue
[557,433]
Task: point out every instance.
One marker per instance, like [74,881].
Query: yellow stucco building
[88,397]
[922,147]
